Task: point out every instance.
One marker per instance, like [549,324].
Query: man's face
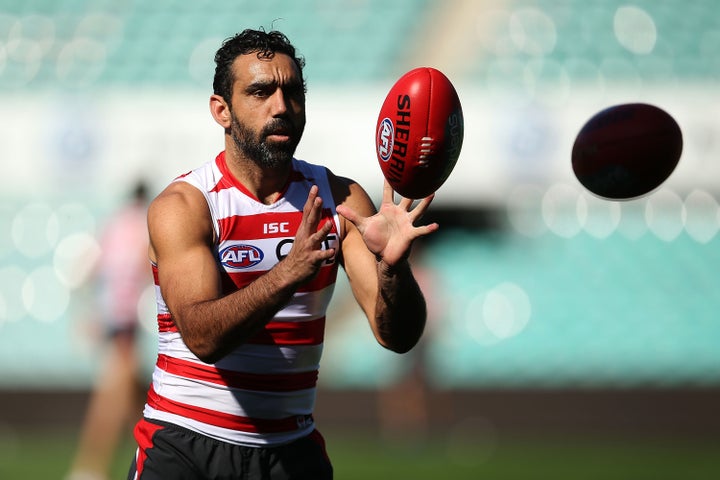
[268,109]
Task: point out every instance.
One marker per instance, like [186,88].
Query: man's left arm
[375,251]
[400,309]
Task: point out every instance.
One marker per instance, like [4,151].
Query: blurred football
[419,132]
[626,151]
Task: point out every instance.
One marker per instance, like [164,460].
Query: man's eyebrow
[261,84]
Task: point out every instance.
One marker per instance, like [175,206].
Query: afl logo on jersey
[241,256]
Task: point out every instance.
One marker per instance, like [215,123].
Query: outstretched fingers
[426,229]
[310,249]
[388,192]
[312,210]
[312,215]
[422,207]
[405,203]
[349,214]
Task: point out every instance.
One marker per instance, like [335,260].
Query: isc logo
[241,256]
[385,139]
[276,227]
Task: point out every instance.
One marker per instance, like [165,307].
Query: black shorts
[180,454]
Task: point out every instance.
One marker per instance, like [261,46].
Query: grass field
[46,455]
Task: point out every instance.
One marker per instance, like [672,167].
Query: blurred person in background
[245,252]
[121,275]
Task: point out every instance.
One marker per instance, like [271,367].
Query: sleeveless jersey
[263,392]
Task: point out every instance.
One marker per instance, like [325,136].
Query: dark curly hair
[266,44]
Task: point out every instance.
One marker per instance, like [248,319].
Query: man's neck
[265,184]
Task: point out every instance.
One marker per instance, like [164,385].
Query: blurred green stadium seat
[585,31]
[612,311]
[343,41]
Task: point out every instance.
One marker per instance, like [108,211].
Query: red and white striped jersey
[263,392]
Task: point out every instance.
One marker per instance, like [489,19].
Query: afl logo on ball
[385,139]
[241,256]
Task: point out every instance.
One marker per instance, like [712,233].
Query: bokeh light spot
[635,29]
[665,214]
[12,279]
[533,31]
[632,223]
[74,259]
[44,296]
[599,217]
[701,221]
[559,210]
[506,310]
[81,62]
[35,230]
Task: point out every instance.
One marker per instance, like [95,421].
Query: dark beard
[266,155]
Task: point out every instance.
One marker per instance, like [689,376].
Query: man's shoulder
[203,177]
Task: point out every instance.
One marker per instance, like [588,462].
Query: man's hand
[390,232]
[306,255]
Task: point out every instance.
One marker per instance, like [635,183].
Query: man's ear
[220,111]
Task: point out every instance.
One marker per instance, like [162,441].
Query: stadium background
[553,311]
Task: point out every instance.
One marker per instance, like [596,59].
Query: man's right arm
[181,244]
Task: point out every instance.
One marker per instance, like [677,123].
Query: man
[245,252]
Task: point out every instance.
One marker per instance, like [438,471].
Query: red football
[419,132]
[626,151]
